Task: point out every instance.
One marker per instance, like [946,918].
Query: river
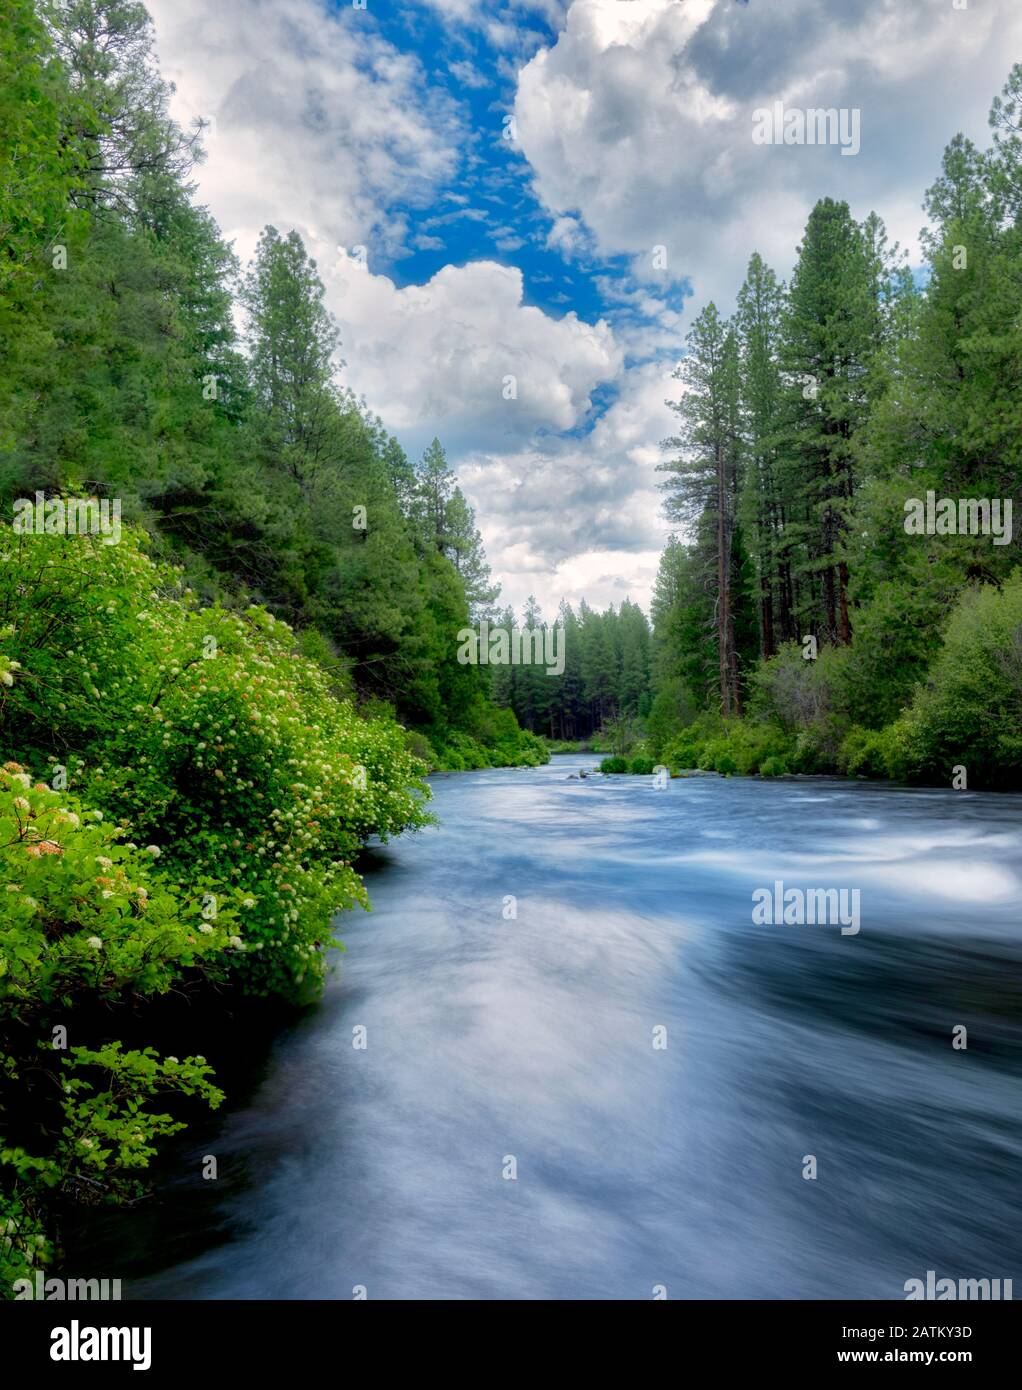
[613,1085]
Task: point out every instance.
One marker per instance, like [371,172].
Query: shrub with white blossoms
[84,918]
[82,913]
[241,775]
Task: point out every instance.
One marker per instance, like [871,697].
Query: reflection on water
[532,1037]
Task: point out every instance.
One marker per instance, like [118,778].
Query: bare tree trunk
[846,622]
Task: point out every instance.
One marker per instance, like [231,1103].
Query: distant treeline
[606,676]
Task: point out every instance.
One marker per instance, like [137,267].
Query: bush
[614,765]
[420,748]
[496,740]
[207,734]
[773,767]
[863,753]
[682,753]
[642,767]
[969,710]
[84,913]
[737,746]
[86,919]
[817,748]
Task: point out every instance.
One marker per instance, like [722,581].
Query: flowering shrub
[83,912]
[206,735]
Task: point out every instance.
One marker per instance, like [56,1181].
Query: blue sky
[489,210]
[573,257]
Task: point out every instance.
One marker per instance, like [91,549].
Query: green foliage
[642,767]
[37,167]
[24,1246]
[733,746]
[108,1134]
[969,711]
[877,753]
[93,1119]
[857,391]
[614,764]
[494,740]
[84,913]
[207,733]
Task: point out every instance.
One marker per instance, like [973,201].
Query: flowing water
[533,1044]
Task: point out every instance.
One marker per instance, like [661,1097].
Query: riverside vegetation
[808,623]
[203,724]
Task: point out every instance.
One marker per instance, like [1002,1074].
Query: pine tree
[436,484]
[292,343]
[706,473]
[762,508]
[465,551]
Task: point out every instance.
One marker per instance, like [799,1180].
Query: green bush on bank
[499,742]
[87,917]
[739,747]
[640,766]
[968,710]
[966,713]
[207,733]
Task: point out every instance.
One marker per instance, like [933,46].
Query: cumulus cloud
[314,117]
[319,125]
[566,235]
[639,119]
[580,518]
[464,357]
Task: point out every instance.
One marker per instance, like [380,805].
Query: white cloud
[468,75]
[318,121]
[434,358]
[580,518]
[639,118]
[566,235]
